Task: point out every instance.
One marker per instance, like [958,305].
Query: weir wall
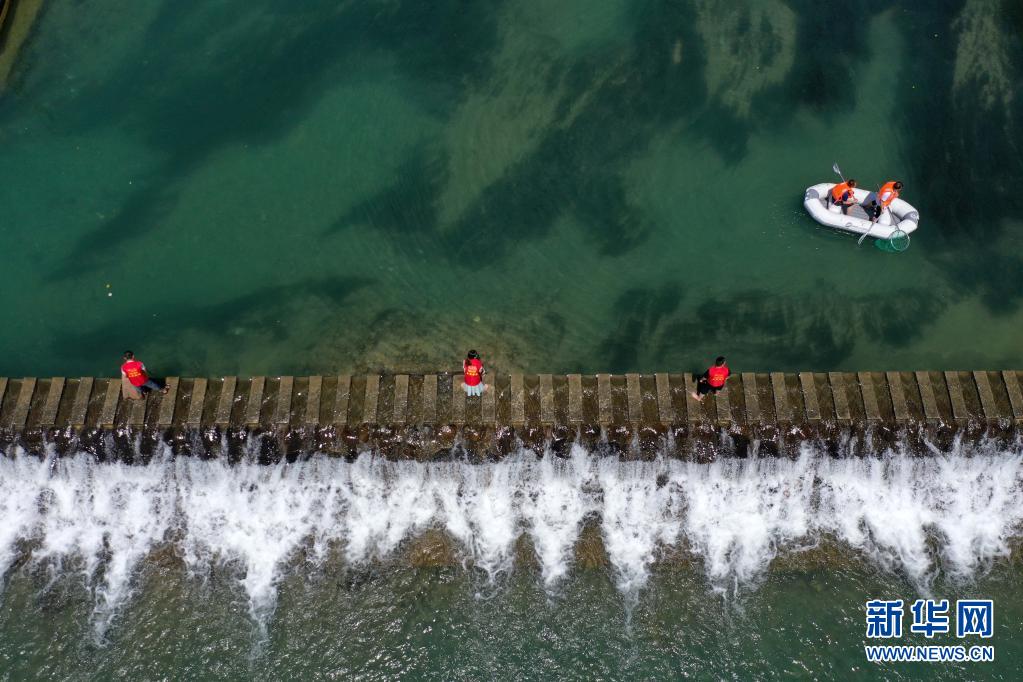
[429,416]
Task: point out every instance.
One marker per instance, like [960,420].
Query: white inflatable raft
[900,215]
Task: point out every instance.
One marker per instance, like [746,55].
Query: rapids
[951,514]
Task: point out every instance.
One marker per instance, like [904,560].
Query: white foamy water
[951,513]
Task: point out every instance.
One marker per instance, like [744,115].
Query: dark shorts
[703,387]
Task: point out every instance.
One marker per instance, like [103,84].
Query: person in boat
[842,194]
[472,367]
[881,200]
[713,380]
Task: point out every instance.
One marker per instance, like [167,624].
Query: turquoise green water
[256,187]
[430,623]
[251,188]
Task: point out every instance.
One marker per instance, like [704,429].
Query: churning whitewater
[952,513]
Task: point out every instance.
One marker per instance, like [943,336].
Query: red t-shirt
[135,371]
[716,376]
[473,372]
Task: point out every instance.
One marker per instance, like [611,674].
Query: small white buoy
[109,294]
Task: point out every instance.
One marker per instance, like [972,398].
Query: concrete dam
[428,416]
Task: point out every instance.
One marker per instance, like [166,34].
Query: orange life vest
[889,189]
[716,376]
[838,190]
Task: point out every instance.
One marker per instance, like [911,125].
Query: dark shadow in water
[832,42]
[260,82]
[408,205]
[815,331]
[610,107]
[640,313]
[967,151]
[265,311]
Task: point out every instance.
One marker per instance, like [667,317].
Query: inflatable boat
[900,216]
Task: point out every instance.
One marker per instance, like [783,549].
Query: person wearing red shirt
[472,367]
[135,372]
[713,380]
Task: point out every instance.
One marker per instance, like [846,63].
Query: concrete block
[489,406]
[987,396]
[400,399]
[840,396]
[81,405]
[955,394]
[197,400]
[665,410]
[21,408]
[137,411]
[282,410]
[1015,395]
[694,408]
[870,408]
[604,413]
[224,405]
[312,402]
[923,382]
[547,399]
[254,406]
[518,400]
[48,417]
[165,417]
[369,406]
[749,392]
[898,395]
[430,399]
[723,405]
[342,398]
[458,401]
[634,396]
[109,411]
[781,398]
[809,389]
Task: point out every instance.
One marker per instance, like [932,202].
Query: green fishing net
[896,243]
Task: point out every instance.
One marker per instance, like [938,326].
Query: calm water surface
[251,187]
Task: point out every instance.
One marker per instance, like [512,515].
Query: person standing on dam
[472,367]
[713,380]
[136,374]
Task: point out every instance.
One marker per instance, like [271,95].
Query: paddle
[838,170]
[864,235]
[874,220]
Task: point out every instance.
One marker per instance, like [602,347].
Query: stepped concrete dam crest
[428,416]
